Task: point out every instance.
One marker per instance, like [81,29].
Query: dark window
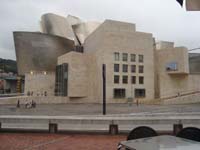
[125,68]
[61,84]
[140,93]
[116,56]
[125,57]
[116,67]
[125,79]
[133,57]
[133,68]
[133,79]
[141,58]
[116,79]
[141,80]
[119,93]
[141,69]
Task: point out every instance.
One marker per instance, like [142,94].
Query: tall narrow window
[116,79]
[125,79]
[116,56]
[116,67]
[141,80]
[125,57]
[141,58]
[133,68]
[125,68]
[133,79]
[141,69]
[133,57]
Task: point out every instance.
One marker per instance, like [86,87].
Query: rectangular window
[133,68]
[116,56]
[116,67]
[172,66]
[119,93]
[116,79]
[125,79]
[141,58]
[133,79]
[125,68]
[125,57]
[141,80]
[140,93]
[133,57]
[141,69]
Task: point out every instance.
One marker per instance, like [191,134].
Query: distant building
[136,66]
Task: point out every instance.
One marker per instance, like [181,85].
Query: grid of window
[116,79]
[133,68]
[119,93]
[125,68]
[133,57]
[125,57]
[133,79]
[141,80]
[116,67]
[116,56]
[141,69]
[141,58]
[125,79]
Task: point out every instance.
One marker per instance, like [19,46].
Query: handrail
[181,95]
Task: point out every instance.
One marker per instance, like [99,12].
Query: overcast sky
[164,18]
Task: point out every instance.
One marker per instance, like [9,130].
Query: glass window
[116,79]
[133,57]
[141,80]
[133,68]
[116,56]
[116,67]
[133,79]
[141,69]
[119,93]
[172,66]
[141,58]
[125,68]
[125,79]
[125,57]
[139,93]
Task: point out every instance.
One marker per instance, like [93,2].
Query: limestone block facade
[137,67]
[40,84]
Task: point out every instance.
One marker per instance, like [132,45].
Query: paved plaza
[40,141]
[96,109]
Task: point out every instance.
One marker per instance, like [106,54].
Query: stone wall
[40,84]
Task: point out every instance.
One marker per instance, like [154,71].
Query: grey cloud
[164,18]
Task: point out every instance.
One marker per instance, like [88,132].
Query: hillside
[8,65]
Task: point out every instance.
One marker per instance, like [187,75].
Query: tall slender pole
[104,88]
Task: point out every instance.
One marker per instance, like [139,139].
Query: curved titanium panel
[38,51]
[60,26]
[83,30]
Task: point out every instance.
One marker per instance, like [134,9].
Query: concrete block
[113,129]
[53,128]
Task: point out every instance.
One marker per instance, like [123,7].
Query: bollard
[113,129]
[177,128]
[53,128]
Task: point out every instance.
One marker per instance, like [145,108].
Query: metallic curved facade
[60,26]
[83,30]
[39,52]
